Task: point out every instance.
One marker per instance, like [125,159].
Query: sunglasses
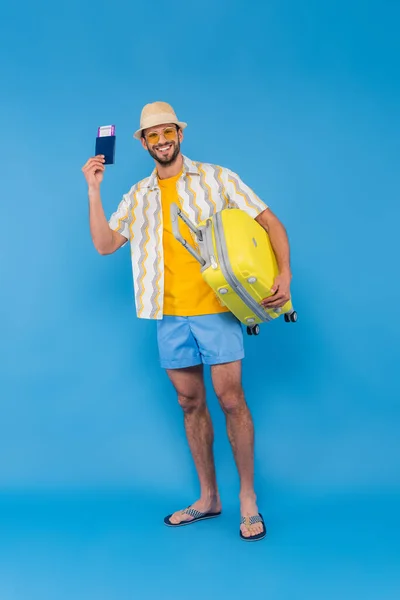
[169,134]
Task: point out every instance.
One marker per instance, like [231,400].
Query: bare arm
[105,240]
[280,244]
[279,239]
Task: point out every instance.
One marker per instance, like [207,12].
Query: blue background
[302,100]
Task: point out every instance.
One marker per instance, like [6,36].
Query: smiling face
[163,143]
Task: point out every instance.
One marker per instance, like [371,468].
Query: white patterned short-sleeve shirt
[203,190]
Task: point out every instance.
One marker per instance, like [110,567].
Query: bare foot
[203,506]
[248,509]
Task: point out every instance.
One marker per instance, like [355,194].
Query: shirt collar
[189,168]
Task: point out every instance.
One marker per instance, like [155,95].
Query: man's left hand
[280,292]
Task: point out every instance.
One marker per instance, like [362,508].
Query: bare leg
[189,385]
[228,388]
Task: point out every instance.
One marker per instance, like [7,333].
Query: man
[193,328]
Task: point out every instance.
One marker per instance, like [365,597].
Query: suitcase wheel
[255,330]
[291,317]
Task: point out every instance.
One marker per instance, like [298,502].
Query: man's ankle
[209,495]
[247,495]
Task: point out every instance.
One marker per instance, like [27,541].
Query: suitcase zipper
[229,275]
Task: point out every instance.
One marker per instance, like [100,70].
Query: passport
[105,143]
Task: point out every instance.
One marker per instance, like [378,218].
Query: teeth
[165,148]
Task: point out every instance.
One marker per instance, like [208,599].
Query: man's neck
[165,172]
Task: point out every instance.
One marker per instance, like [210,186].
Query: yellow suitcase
[238,263]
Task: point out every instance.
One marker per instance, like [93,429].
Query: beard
[166,161]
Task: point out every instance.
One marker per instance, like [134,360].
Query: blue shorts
[207,339]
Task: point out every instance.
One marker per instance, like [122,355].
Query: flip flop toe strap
[192,512]
[248,521]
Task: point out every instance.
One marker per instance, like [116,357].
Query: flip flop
[197,516]
[251,521]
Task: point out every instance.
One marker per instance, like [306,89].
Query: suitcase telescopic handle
[175,214]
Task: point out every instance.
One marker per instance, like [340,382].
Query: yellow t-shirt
[186,294]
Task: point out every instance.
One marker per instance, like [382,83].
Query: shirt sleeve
[120,219]
[242,196]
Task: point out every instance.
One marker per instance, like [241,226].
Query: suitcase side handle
[175,214]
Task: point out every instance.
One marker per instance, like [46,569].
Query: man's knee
[190,402]
[232,400]
[189,386]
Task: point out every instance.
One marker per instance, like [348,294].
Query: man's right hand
[93,171]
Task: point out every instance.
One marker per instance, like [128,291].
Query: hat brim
[138,134]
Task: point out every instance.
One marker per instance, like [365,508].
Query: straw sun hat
[157,113]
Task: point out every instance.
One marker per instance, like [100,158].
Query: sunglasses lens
[153,137]
[169,133]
